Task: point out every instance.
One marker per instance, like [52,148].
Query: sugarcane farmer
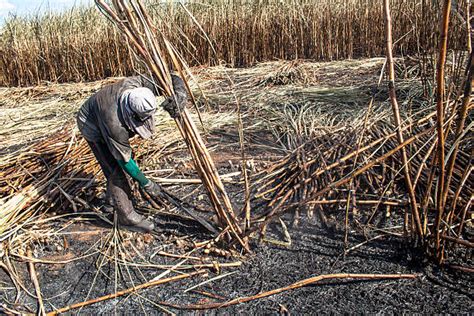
[107,120]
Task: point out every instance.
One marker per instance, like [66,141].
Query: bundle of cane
[154,50]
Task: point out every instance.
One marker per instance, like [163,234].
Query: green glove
[132,169]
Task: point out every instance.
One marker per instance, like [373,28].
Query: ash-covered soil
[313,251]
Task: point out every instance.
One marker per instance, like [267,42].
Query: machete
[180,205]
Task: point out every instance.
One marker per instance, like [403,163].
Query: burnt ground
[313,251]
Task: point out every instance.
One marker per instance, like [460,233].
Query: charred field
[313,251]
[78,255]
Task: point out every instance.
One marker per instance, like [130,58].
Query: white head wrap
[138,106]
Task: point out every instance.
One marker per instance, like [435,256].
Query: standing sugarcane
[440,94]
[396,115]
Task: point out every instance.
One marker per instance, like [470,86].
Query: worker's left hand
[174,105]
[153,189]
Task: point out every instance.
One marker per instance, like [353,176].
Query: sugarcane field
[236,157]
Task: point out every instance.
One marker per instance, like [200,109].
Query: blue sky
[32,6]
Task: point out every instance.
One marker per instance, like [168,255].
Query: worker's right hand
[153,189]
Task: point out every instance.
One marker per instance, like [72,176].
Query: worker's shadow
[84,200]
[167,220]
[178,226]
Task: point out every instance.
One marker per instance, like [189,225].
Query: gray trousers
[118,188]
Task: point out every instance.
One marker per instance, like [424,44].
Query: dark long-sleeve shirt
[100,118]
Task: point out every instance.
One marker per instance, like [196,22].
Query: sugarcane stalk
[463,215]
[440,95]
[396,113]
[468,25]
[124,292]
[246,207]
[296,285]
[461,119]
[34,279]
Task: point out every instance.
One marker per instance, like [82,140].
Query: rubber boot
[108,206]
[122,200]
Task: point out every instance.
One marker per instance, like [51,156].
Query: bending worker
[107,120]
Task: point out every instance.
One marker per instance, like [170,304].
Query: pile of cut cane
[153,49]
